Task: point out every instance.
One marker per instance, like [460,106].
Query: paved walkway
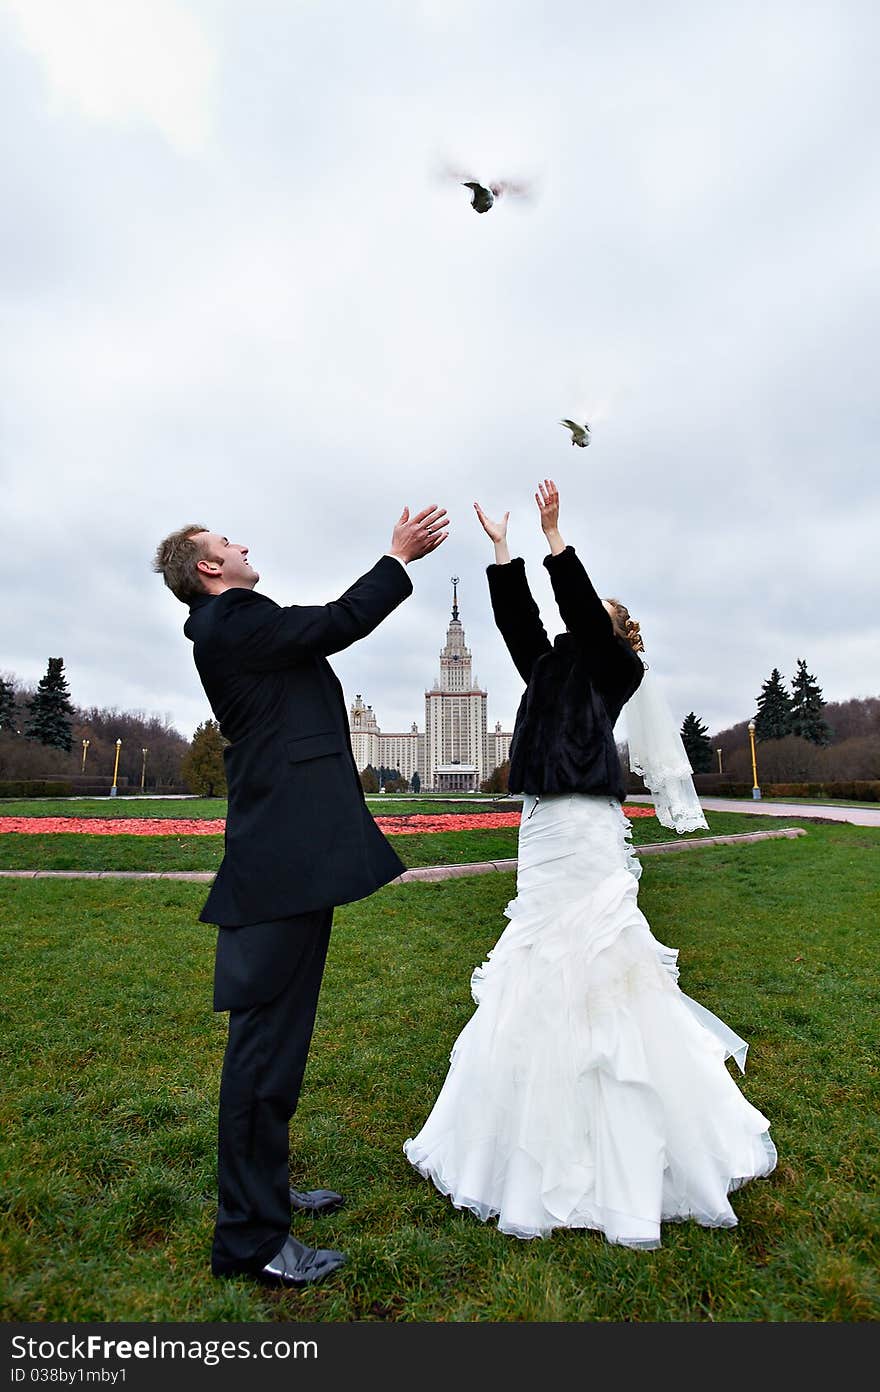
[427,872]
[858,816]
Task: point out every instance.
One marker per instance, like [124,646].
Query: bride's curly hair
[625,626]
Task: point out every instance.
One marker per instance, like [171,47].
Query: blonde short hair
[177,558]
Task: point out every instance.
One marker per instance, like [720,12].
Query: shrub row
[714,785]
[46,788]
[856,790]
[709,784]
[33,788]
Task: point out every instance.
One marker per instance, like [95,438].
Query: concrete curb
[429,873]
[196,876]
[485,867]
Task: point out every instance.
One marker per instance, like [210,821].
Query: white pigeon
[580,434]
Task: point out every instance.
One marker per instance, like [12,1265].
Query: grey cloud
[302,330]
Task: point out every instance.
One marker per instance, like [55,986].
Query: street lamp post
[756,791]
[116,767]
[85,745]
[718,752]
[144,752]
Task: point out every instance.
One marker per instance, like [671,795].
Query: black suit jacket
[298,833]
[576,687]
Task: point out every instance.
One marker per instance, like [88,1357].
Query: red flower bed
[478,821]
[445,821]
[177,826]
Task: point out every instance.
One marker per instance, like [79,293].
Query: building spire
[454,579]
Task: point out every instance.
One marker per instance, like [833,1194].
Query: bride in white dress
[586,1090]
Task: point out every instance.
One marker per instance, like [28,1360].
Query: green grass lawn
[198,808]
[113,807]
[111,1058]
[79,851]
[209,808]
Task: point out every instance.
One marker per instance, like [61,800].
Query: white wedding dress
[587,1091]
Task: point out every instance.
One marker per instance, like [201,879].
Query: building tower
[364,733]
[456,752]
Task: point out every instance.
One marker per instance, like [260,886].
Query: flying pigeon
[485,196]
[580,434]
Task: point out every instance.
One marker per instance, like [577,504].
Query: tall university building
[456,751]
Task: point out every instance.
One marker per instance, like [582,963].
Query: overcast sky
[235,292]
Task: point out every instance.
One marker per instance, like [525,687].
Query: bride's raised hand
[547,498]
[496,530]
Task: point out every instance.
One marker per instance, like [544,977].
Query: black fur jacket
[576,687]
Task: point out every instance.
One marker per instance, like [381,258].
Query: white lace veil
[657,754]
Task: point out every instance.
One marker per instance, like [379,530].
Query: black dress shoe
[315,1200]
[297,1265]
[294,1265]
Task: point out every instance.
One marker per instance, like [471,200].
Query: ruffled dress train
[586,1090]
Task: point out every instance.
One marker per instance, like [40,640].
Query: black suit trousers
[268,976]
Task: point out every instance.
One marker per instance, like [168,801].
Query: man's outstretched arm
[262,639]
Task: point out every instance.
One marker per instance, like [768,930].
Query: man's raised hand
[414,537]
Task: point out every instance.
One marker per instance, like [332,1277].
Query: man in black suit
[299,840]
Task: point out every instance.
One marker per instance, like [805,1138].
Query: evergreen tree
[202,767]
[806,707]
[7,705]
[415,782]
[50,708]
[369,779]
[773,718]
[697,745]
